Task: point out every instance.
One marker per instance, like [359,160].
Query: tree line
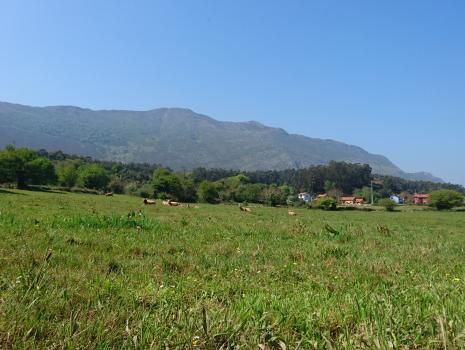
[24,167]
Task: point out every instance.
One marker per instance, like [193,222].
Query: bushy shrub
[274,196]
[166,183]
[116,185]
[24,167]
[327,203]
[41,171]
[189,191]
[207,192]
[67,174]
[387,204]
[131,188]
[294,200]
[140,190]
[248,192]
[445,199]
[93,176]
[146,191]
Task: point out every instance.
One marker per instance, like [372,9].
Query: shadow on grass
[32,189]
[3,190]
[42,189]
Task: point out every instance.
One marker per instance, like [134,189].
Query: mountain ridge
[179,138]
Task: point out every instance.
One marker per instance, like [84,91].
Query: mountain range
[178,138]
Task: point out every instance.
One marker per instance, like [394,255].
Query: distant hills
[177,138]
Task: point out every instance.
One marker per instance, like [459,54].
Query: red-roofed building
[421,198]
[351,200]
[348,200]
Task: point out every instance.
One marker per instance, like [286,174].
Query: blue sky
[385,75]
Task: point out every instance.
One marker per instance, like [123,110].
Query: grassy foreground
[86,271]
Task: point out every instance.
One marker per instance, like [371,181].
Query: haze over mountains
[177,138]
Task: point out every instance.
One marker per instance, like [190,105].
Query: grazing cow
[109,194]
[245,209]
[149,201]
[171,203]
[291,213]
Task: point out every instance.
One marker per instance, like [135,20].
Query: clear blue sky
[386,75]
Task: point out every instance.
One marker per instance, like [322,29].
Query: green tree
[336,194]
[188,188]
[23,166]
[326,203]
[207,192]
[231,188]
[445,199]
[166,184]
[117,168]
[116,185]
[249,193]
[329,186]
[41,171]
[236,181]
[287,190]
[145,191]
[364,192]
[294,200]
[67,174]
[387,204]
[93,176]
[273,196]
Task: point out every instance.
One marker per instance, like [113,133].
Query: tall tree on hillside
[23,166]
[166,184]
[188,188]
[41,171]
[93,176]
[329,186]
[207,192]
[68,173]
[273,195]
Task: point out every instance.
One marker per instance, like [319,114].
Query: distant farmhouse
[421,198]
[352,200]
[306,197]
[346,200]
[324,195]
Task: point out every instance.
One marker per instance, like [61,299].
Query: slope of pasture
[86,271]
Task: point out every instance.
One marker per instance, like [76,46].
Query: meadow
[95,272]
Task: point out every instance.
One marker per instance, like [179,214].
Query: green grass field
[86,271]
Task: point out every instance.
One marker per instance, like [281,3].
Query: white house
[396,199]
[306,197]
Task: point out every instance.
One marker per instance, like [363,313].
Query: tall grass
[99,221]
[81,271]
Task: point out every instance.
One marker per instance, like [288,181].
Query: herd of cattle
[173,203]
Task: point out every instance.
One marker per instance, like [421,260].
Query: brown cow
[245,209]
